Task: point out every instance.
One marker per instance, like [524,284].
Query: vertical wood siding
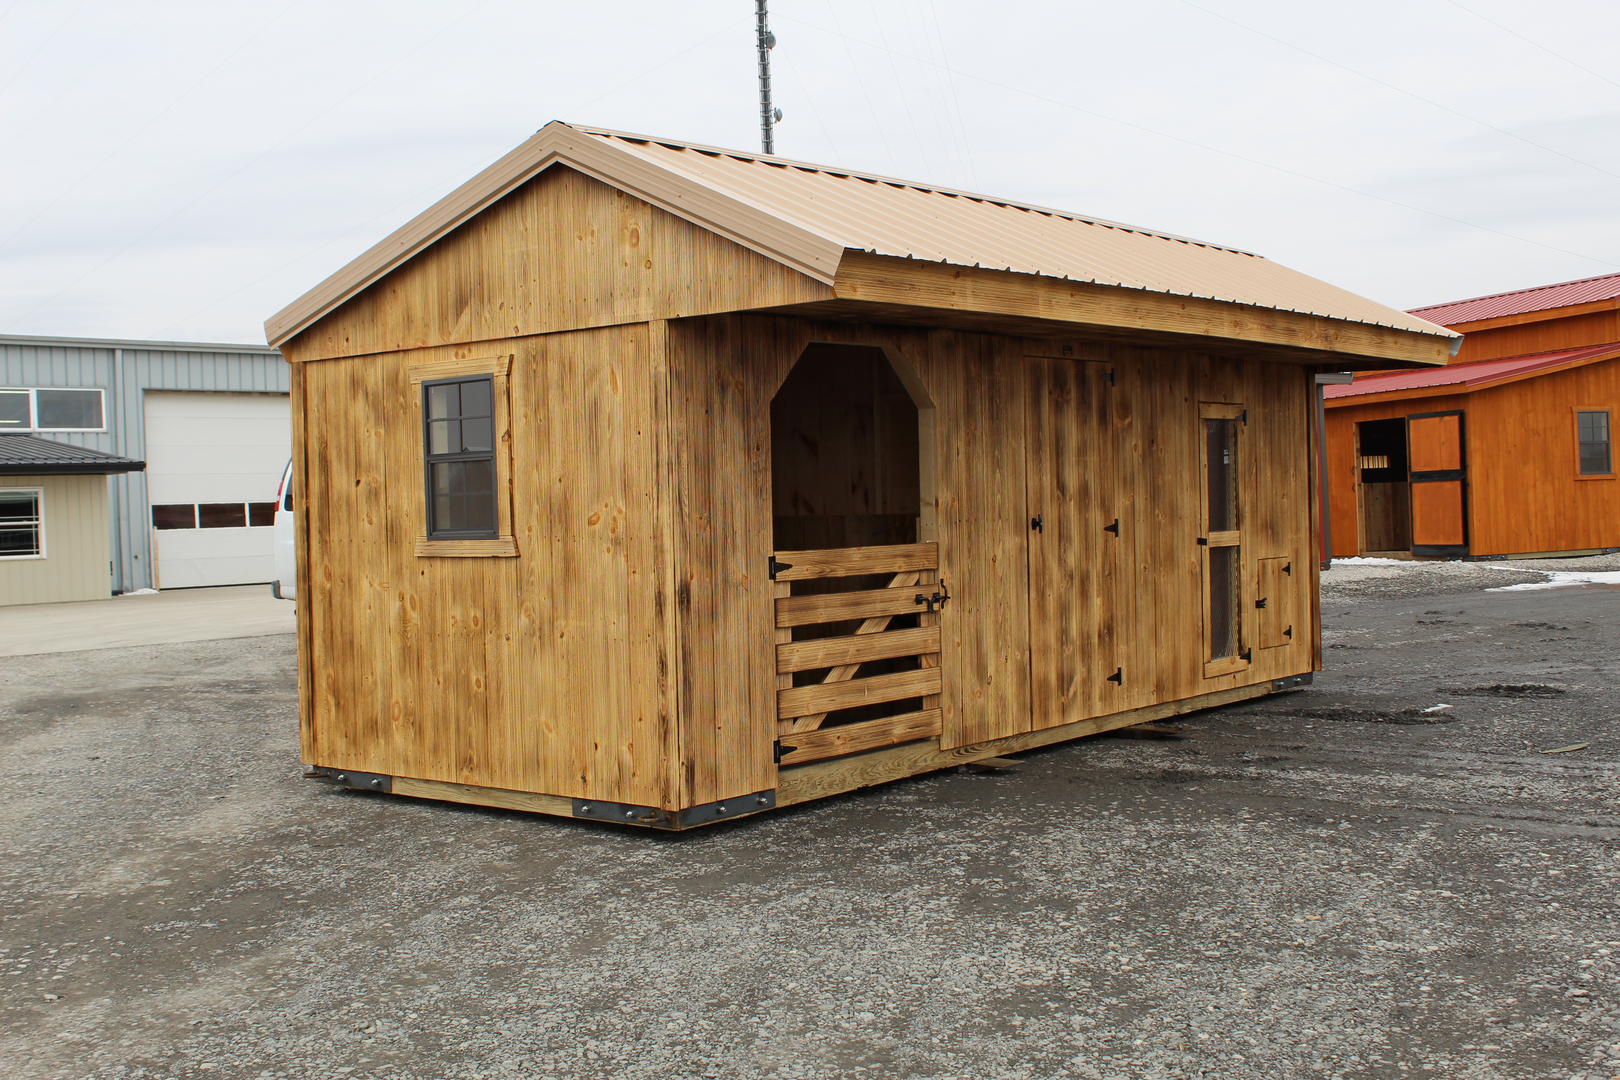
[563,251]
[75,566]
[1523,491]
[539,673]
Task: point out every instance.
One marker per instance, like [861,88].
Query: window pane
[175,516]
[464,497]
[477,398]
[479,477]
[13,410]
[18,506]
[261,514]
[444,437]
[477,434]
[1592,428]
[1221,456]
[68,408]
[444,401]
[221,516]
[17,541]
[1223,602]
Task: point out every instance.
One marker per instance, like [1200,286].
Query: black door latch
[939,598]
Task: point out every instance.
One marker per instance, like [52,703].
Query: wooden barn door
[1072,484]
[1438,476]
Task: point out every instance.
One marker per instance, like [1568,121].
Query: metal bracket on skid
[364,781]
[1293,680]
[655,818]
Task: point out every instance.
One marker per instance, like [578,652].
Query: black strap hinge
[1114,528]
[1110,377]
[779,751]
[1118,677]
[777,567]
[1289,633]
[1036,524]
[1260,603]
[1288,568]
[1202,540]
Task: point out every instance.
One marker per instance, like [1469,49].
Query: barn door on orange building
[1439,483]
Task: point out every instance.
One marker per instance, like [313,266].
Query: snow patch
[1359,561]
[1558,579]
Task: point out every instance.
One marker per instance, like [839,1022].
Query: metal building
[210,420]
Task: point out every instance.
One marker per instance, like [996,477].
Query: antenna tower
[768,117]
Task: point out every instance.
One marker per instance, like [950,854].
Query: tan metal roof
[806,216]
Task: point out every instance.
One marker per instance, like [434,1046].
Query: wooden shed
[1506,451]
[664,484]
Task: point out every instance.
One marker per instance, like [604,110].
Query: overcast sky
[179,170]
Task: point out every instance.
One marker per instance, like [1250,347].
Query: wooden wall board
[1525,492]
[562,252]
[1073,487]
[541,673]
[1543,335]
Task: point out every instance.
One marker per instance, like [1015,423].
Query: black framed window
[459,434]
[1592,431]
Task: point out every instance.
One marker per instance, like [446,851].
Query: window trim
[39,501]
[33,408]
[499,368]
[1240,659]
[1575,420]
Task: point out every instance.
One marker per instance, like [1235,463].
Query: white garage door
[212,465]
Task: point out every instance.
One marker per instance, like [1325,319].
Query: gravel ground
[1332,882]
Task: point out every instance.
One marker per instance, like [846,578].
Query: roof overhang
[1464,386]
[738,220]
[880,288]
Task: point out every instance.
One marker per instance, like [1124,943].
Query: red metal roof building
[1508,450]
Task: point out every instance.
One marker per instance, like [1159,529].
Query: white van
[285,585]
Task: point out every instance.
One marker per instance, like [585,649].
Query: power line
[1234,156]
[1537,44]
[48,39]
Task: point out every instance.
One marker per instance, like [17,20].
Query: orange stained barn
[1507,450]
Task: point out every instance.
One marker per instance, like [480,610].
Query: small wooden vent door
[1074,544]
[1439,477]
[1276,602]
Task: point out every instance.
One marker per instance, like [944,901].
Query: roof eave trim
[794,246]
[86,469]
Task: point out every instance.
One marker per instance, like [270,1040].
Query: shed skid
[612,503]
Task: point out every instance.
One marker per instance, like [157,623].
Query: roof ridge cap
[1511,292]
[833,170]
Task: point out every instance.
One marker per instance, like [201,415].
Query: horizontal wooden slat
[851,738]
[837,607]
[826,697]
[848,562]
[1225,539]
[833,652]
